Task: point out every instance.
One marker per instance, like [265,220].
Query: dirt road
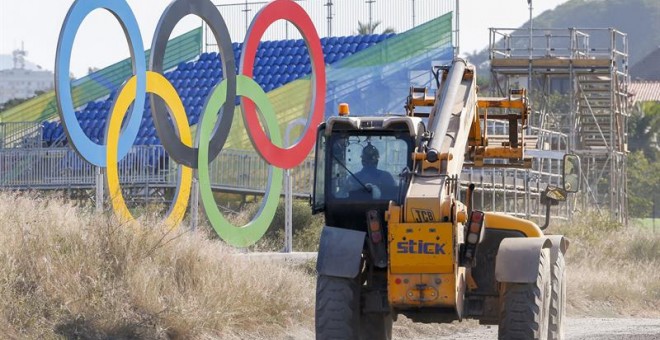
[576,329]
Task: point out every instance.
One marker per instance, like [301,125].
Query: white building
[21,82]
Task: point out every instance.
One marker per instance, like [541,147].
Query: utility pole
[458,30]
[247,20]
[531,53]
[413,9]
[329,5]
[370,2]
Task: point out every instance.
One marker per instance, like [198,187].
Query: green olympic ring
[256,228]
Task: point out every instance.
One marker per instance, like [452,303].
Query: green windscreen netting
[99,84]
[375,81]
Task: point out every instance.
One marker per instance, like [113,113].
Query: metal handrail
[504,42]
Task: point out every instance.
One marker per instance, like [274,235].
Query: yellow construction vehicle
[398,241]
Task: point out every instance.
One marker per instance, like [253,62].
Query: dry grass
[65,272]
[613,269]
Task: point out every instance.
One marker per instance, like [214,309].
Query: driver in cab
[380,182]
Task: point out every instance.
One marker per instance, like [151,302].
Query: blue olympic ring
[92,152]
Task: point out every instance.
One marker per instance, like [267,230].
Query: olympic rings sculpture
[217,115]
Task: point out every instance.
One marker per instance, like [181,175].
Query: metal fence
[334,17]
[514,191]
[61,168]
[20,134]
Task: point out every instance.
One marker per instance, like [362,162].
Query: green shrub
[306,227]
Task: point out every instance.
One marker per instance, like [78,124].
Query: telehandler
[398,241]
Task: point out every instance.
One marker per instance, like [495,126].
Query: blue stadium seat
[47,133]
[330,58]
[215,63]
[294,51]
[275,79]
[276,63]
[217,73]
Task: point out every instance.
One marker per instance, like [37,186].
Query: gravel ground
[576,329]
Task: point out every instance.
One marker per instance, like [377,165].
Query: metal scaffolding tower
[579,85]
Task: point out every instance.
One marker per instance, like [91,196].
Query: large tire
[376,326]
[337,308]
[558,300]
[524,307]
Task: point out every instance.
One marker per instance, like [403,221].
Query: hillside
[640,19]
[648,68]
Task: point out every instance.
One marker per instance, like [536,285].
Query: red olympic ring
[290,11]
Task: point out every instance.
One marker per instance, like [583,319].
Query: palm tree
[644,127]
[370,28]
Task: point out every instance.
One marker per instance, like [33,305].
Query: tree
[644,128]
[643,162]
[642,184]
[370,28]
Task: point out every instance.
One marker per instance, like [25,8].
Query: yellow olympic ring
[160,86]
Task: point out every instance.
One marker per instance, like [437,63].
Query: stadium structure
[373,73]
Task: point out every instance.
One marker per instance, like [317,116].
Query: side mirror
[571,175]
[551,196]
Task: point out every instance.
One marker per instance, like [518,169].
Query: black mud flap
[340,252]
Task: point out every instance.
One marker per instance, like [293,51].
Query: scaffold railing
[570,43]
[588,68]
